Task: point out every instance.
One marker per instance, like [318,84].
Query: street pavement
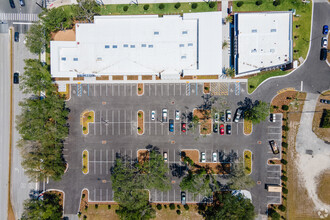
[20,185]
[5,82]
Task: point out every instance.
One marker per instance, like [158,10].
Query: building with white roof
[263,41]
[168,47]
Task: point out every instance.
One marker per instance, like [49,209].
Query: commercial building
[261,41]
[167,47]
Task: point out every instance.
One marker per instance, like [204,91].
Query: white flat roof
[264,40]
[142,45]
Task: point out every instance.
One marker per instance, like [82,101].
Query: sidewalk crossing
[18,17]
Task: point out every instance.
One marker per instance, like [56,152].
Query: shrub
[284,178]
[275,106]
[325,119]
[146,7]
[109,206]
[139,89]
[285,128]
[282,208]
[239,4]
[86,208]
[259,2]
[178,212]
[284,162]
[159,206]
[212,4]
[172,206]
[83,195]
[84,128]
[125,8]
[178,206]
[285,190]
[84,156]
[79,214]
[285,145]
[165,206]
[186,207]
[194,5]
[275,215]
[89,117]
[96,206]
[85,217]
[285,107]
[161,6]
[276,2]
[206,88]
[177,5]
[140,115]
[139,129]
[252,86]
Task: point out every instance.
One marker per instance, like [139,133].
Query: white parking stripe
[106,166]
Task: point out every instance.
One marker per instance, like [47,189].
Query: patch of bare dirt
[66,35]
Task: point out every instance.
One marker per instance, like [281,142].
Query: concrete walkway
[311,166]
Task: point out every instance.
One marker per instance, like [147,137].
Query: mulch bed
[284,98]
[205,124]
[132,77]
[207,85]
[140,122]
[148,77]
[141,87]
[117,77]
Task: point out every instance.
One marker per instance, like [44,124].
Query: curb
[309,49]
[251,160]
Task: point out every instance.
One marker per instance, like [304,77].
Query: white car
[203,158]
[164,115]
[177,115]
[216,117]
[228,115]
[153,113]
[324,42]
[165,156]
[214,157]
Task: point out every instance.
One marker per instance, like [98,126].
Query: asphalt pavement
[5,81]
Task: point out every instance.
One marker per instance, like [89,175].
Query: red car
[222,129]
[183,127]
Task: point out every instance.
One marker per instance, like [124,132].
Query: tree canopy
[36,77]
[86,10]
[258,112]
[47,209]
[37,38]
[56,19]
[228,206]
[239,180]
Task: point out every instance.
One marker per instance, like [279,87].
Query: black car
[21,2]
[228,129]
[16,79]
[323,54]
[325,101]
[16,36]
[215,128]
[12,4]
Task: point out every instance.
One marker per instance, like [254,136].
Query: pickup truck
[274,147]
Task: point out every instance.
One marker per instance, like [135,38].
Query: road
[5,82]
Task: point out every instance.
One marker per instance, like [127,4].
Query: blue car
[325,29]
[171,125]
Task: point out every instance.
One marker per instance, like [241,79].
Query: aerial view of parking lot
[165,109]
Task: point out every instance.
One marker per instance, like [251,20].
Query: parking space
[274,178]
[274,132]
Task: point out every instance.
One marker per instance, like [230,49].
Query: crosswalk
[18,17]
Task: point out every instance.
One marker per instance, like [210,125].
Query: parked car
[228,115]
[164,115]
[177,115]
[12,4]
[165,156]
[183,127]
[22,3]
[272,117]
[16,78]
[228,128]
[325,101]
[324,42]
[325,29]
[323,54]
[171,125]
[222,117]
[153,113]
[222,129]
[183,198]
[216,117]
[214,157]
[203,158]
[215,128]
[238,115]
[274,147]
[16,37]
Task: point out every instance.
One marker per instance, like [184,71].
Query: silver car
[203,157]
[214,157]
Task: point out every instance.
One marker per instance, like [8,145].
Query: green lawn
[154,9]
[302,34]
[254,81]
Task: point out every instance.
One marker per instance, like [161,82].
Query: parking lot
[115,133]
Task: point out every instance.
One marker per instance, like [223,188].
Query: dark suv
[16,78]
[12,4]
[323,54]
[16,36]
